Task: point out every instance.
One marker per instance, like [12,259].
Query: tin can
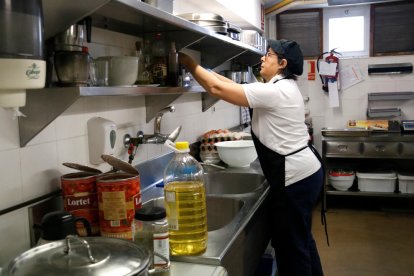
[119,195]
[81,200]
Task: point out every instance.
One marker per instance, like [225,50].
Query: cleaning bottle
[185,202]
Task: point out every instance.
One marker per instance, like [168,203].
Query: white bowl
[122,70]
[341,183]
[237,153]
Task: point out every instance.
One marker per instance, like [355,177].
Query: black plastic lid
[150,213]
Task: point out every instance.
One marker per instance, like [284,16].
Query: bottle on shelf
[141,79]
[159,60]
[173,66]
[185,202]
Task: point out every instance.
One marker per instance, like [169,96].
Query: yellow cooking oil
[187,217]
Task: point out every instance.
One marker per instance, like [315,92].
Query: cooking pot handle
[158,270]
[84,242]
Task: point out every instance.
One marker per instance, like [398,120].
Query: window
[393,28]
[304,27]
[347,30]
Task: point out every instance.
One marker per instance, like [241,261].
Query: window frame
[340,12]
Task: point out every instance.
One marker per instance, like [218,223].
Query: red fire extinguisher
[331,58]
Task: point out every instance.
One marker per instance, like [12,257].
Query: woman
[281,140]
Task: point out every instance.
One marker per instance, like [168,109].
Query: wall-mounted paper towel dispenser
[392,68]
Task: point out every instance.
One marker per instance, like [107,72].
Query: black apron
[273,166]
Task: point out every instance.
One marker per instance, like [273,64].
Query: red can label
[119,196]
[81,200]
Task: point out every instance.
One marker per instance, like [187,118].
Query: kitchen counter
[190,269]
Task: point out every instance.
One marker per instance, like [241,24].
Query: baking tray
[345,132]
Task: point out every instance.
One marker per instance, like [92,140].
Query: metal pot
[76,256]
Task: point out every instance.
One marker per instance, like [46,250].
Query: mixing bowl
[122,70]
[237,153]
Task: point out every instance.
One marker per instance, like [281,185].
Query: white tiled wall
[35,169]
[354,100]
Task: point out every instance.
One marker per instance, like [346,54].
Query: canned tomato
[119,195]
[80,199]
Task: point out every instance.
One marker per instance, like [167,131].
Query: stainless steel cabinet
[378,151]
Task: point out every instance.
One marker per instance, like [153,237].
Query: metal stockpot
[76,256]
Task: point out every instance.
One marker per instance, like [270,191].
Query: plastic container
[150,229]
[377,181]
[185,202]
[406,183]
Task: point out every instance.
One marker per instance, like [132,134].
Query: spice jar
[150,229]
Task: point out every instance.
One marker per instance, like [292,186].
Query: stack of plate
[211,21]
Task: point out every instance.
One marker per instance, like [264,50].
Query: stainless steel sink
[221,183]
[220,210]
[236,219]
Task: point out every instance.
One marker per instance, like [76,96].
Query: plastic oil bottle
[185,202]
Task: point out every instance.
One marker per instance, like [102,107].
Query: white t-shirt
[279,124]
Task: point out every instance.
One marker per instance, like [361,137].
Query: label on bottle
[170,198]
[162,247]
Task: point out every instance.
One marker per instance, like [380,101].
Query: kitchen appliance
[71,59]
[57,225]
[72,67]
[76,256]
[22,64]
[407,125]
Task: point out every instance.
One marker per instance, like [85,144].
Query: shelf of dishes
[142,20]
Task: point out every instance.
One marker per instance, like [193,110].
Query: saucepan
[77,256]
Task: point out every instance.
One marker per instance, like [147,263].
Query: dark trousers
[295,248]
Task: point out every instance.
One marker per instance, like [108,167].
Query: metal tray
[345,132]
[202,16]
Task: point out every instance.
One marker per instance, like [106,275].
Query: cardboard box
[368,124]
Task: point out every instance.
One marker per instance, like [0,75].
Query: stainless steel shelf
[373,194]
[45,105]
[391,96]
[140,19]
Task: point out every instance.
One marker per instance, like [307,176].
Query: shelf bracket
[154,103]
[42,107]
[207,101]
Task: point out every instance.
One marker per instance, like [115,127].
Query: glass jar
[151,231]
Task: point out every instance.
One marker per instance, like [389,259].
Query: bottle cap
[182,145]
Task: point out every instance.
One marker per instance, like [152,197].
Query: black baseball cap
[290,50]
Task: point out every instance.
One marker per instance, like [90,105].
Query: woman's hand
[186,60]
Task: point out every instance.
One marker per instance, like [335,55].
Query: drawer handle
[380,148]
[342,147]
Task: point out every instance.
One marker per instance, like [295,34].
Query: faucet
[157,137]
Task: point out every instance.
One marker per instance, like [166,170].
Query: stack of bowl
[211,21]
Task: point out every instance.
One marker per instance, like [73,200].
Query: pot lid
[119,164]
[80,167]
[108,256]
